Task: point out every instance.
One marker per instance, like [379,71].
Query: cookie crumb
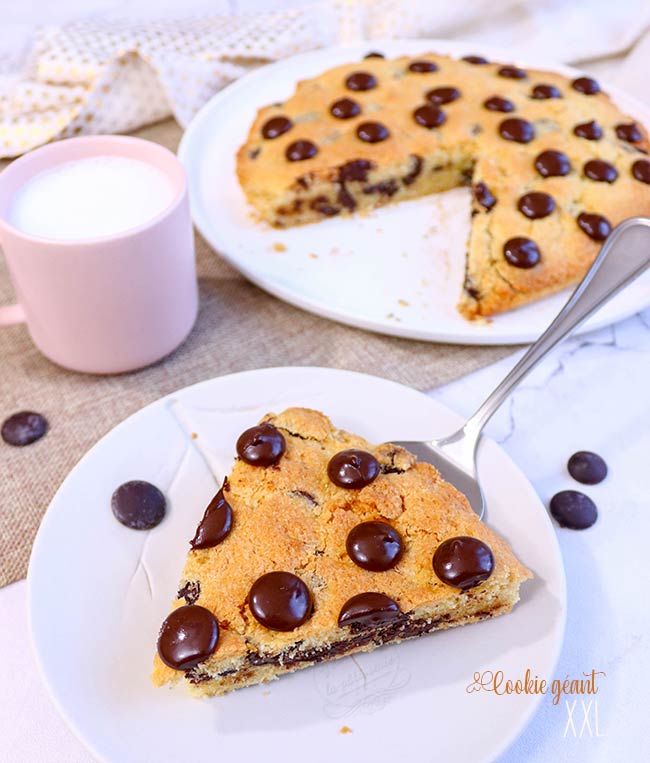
[279,247]
[345,730]
[313,256]
[402,302]
[195,436]
[266,693]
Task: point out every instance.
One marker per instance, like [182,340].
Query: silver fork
[623,257]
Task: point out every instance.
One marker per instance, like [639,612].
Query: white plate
[398,270]
[98,593]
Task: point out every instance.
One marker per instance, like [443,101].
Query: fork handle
[623,257]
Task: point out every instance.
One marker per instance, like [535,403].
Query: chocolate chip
[357,169]
[440,95]
[477,60]
[345,108]
[385,188]
[190,592]
[372,132]
[521,252]
[518,130]
[276,126]
[573,509]
[138,504]
[24,428]
[423,67]
[589,130]
[463,562]
[322,204]
[536,205]
[374,54]
[641,170]
[216,522]
[429,116]
[497,103]
[600,171]
[629,132]
[262,445]
[595,226]
[375,546]
[280,601]
[188,637]
[360,81]
[586,85]
[587,467]
[345,198]
[353,469]
[254,153]
[484,196]
[512,72]
[552,163]
[300,150]
[414,171]
[367,610]
[542,92]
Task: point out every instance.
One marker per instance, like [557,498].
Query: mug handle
[11,314]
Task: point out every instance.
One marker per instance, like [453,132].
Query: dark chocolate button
[542,92]
[477,60]
[138,505]
[353,469]
[372,132]
[595,226]
[414,170]
[262,445]
[367,610]
[374,54]
[440,95]
[375,546]
[361,81]
[423,67]
[641,170]
[587,467]
[357,169]
[463,562]
[484,196]
[573,509]
[512,72]
[300,150]
[629,132]
[280,601]
[187,637]
[216,522]
[345,108]
[588,130]
[429,116]
[24,428]
[521,252]
[552,163]
[586,85]
[497,103]
[600,171]
[536,205]
[518,130]
[276,126]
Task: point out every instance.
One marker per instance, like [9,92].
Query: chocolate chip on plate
[600,171]
[261,445]
[641,170]
[367,610]
[361,81]
[476,60]
[423,67]
[573,509]
[276,126]
[484,196]
[353,469]
[552,163]
[429,116]
[24,428]
[586,85]
[280,601]
[188,636]
[589,130]
[345,108]
[372,132]
[375,546]
[463,562]
[521,252]
[216,522]
[516,129]
[440,95]
[497,103]
[374,54]
[536,205]
[138,504]
[595,226]
[542,92]
[512,72]
[587,467]
[300,150]
[629,132]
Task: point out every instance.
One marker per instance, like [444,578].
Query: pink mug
[108,304]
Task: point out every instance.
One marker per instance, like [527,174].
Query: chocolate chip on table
[641,170]
[429,116]
[423,67]
[440,95]
[463,562]
[542,92]
[353,469]
[600,171]
[361,81]
[629,132]
[552,163]
[261,445]
[484,196]
[188,636]
[357,169]
[276,126]
[589,130]
[595,226]
[216,522]
[536,205]
[374,54]
[516,129]
[476,60]
[586,85]
[280,601]
[367,610]
[24,428]
[497,103]
[573,509]
[512,72]
[300,150]
[521,252]
[345,108]
[139,505]
[587,467]
[375,546]
[372,132]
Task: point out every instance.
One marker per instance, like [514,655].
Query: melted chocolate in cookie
[423,67]
[216,522]
[357,169]
[573,509]
[24,428]
[497,103]
[600,171]
[366,610]
[589,130]
[276,126]
[586,85]
[595,226]
[536,205]
[345,108]
[440,95]
[372,132]
[414,171]
[542,92]
[484,196]
[375,546]
[516,129]
[512,72]
[587,467]
[353,469]
[138,504]
[476,60]
[641,170]
[429,116]
[300,150]
[361,81]
[552,163]
[188,637]
[280,601]
[629,132]
[463,562]
[521,252]
[262,445]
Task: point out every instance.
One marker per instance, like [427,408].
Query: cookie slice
[320,545]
